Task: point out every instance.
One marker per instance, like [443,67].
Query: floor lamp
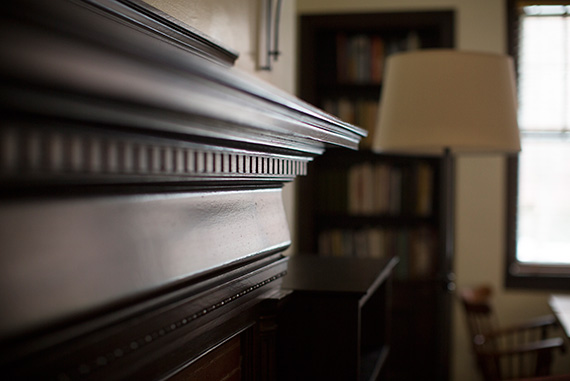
[445,102]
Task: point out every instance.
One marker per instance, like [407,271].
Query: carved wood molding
[101,98]
[129,349]
[70,155]
[170,29]
[107,64]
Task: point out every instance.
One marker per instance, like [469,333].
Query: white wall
[480,180]
[235,23]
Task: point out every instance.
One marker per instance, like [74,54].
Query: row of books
[360,58]
[361,112]
[416,248]
[379,188]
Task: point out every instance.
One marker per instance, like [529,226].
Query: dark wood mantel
[141,220]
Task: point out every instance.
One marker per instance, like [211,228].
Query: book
[422,253]
[381,188]
[424,189]
[376,59]
[360,58]
[395,190]
[341,57]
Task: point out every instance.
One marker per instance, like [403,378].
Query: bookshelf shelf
[336,88]
[332,220]
[367,205]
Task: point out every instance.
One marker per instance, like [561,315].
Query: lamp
[447,102]
[434,100]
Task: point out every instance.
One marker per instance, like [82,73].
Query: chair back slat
[494,353]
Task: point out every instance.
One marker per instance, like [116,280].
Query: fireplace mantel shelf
[141,219]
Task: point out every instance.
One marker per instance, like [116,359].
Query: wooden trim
[524,3]
[162,25]
[141,213]
[168,335]
[113,249]
[177,31]
[90,68]
[67,156]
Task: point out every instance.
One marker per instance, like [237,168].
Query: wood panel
[222,363]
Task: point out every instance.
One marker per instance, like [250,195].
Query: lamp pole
[447,239]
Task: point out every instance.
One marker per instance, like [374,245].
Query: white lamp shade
[434,100]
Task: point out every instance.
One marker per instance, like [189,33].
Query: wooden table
[560,305]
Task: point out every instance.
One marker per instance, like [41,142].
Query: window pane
[543,73]
[566,74]
[538,252]
[537,10]
[544,201]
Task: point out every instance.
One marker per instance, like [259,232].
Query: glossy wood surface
[141,218]
[337,323]
[113,248]
[340,275]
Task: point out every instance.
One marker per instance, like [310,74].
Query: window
[539,180]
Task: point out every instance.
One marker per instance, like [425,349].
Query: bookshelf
[359,204]
[329,296]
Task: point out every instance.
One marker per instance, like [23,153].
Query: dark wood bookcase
[364,204]
[336,324]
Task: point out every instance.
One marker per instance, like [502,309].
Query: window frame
[518,274]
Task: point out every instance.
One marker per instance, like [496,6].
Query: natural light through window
[543,232]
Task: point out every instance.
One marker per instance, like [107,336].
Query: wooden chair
[513,352]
